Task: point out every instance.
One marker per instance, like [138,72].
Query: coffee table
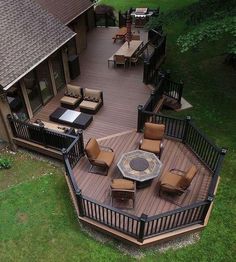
[140,166]
[71,118]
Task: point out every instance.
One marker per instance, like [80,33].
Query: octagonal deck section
[148,201]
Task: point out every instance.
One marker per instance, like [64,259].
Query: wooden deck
[148,201]
[123,89]
[115,126]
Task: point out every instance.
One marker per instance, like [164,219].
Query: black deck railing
[154,62]
[180,218]
[144,227]
[40,135]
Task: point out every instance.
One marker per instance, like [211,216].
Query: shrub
[5,163]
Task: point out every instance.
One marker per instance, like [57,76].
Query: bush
[5,163]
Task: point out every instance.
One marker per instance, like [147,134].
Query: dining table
[128,50]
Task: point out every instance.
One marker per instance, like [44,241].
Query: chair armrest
[107,148]
[176,170]
[173,187]
[98,161]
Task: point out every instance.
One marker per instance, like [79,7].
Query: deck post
[80,202]
[181,84]
[216,174]
[153,99]
[41,128]
[146,68]
[143,220]
[81,142]
[140,118]
[13,129]
[106,20]
[205,209]
[187,121]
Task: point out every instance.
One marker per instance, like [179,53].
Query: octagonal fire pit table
[140,166]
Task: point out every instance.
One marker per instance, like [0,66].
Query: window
[44,80]
[33,91]
[58,70]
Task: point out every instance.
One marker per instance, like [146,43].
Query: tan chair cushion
[122,184]
[154,131]
[69,100]
[92,93]
[171,179]
[106,157]
[89,105]
[153,146]
[92,149]
[76,90]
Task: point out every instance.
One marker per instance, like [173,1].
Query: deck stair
[171,103]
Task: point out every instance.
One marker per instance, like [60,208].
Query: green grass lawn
[37,220]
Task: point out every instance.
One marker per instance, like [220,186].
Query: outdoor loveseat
[73,96]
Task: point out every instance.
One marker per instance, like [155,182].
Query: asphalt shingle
[29,34]
[65,10]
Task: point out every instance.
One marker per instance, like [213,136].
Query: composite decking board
[123,90]
[148,201]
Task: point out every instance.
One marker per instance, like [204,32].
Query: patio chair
[123,189]
[152,139]
[72,97]
[92,101]
[99,156]
[176,181]
[120,60]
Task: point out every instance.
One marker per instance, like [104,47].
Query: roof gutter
[39,62]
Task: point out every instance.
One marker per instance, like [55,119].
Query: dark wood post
[205,210]
[143,220]
[81,142]
[216,174]
[106,20]
[140,118]
[95,19]
[187,121]
[11,122]
[146,66]
[153,99]
[42,133]
[181,85]
[80,202]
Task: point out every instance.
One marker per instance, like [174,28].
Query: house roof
[29,34]
[66,10]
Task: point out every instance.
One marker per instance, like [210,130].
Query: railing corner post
[181,82]
[80,202]
[143,220]
[140,118]
[81,141]
[187,121]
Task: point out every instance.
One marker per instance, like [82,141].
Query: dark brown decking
[175,154]
[123,89]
